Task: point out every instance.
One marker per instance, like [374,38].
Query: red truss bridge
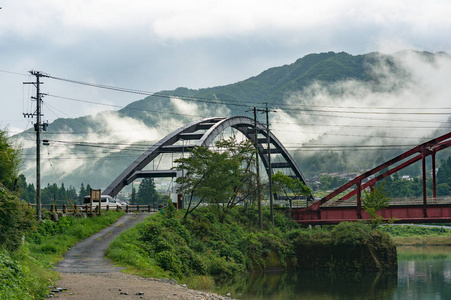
[330,210]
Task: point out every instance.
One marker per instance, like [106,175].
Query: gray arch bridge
[203,133]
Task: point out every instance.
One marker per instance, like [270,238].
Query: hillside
[95,149]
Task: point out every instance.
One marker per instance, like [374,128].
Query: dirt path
[87,274]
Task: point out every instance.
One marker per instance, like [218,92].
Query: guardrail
[95,208]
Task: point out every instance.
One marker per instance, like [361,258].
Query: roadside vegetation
[212,244]
[26,268]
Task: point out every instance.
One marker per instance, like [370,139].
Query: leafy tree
[82,193]
[10,159]
[291,188]
[444,172]
[220,177]
[147,193]
[373,201]
[328,182]
[133,199]
[27,191]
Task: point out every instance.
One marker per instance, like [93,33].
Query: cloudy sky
[164,44]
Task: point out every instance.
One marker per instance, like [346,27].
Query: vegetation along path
[87,274]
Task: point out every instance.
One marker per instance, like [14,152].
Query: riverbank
[419,235]
[213,244]
[117,285]
[422,240]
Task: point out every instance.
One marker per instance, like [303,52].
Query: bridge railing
[394,201]
[95,208]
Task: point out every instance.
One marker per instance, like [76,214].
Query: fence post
[137,208]
[126,208]
[64,209]
[52,208]
[107,207]
[148,210]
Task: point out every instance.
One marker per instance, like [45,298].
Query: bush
[16,280]
[16,220]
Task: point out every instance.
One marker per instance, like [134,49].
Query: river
[423,273]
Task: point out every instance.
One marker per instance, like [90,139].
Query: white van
[105,200]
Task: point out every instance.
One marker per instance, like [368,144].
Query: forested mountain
[309,98]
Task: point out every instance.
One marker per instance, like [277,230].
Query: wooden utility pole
[37,128]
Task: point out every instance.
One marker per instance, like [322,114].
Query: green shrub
[16,220]
[168,261]
[16,280]
[351,233]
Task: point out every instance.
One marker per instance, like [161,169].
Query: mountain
[306,94]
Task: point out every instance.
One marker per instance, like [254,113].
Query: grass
[418,236]
[213,244]
[32,264]
[423,253]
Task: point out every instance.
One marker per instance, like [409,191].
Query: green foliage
[24,273]
[222,244]
[52,239]
[328,182]
[374,201]
[16,280]
[406,231]
[349,245]
[10,159]
[147,194]
[16,220]
[351,233]
[292,188]
[217,176]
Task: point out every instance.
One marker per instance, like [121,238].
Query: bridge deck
[437,210]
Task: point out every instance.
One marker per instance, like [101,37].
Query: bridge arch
[203,133]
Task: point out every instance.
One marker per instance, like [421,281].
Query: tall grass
[27,272]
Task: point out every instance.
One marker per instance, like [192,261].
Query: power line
[306,108]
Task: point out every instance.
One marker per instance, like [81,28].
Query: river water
[423,273]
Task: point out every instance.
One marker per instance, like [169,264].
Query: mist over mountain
[330,110]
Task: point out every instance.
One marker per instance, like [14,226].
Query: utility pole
[37,128]
[268,139]
[259,195]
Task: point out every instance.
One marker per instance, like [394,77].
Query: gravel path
[87,274]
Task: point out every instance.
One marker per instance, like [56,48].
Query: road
[88,256]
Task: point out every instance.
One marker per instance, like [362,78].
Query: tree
[147,193]
[291,188]
[82,193]
[10,159]
[133,199]
[373,201]
[219,177]
[27,191]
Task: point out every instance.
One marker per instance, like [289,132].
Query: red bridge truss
[433,211]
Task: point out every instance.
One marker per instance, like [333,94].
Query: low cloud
[350,112]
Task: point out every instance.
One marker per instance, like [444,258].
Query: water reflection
[423,273]
[314,285]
